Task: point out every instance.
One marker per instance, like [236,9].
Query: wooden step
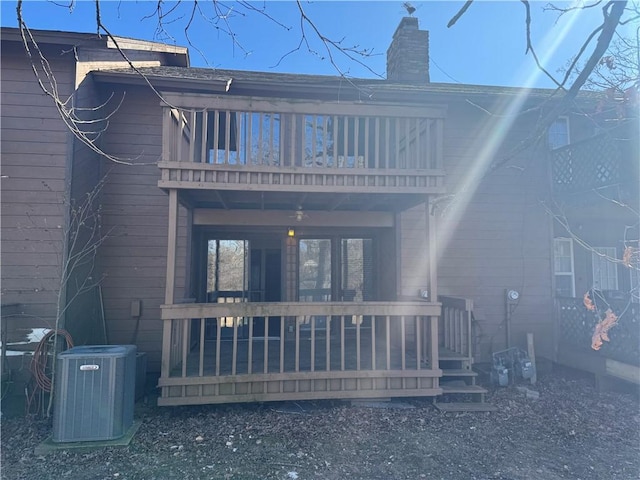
[446,354]
[458,372]
[465,407]
[470,389]
[453,357]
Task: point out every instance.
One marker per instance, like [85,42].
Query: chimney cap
[408,23]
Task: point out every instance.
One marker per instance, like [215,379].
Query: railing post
[468,312]
[433,353]
[432,256]
[167,135]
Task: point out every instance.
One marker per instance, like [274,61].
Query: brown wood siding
[386,268]
[35,151]
[414,255]
[135,213]
[503,238]
[83,318]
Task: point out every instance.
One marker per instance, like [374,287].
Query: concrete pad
[49,446]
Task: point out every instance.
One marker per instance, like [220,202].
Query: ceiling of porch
[292,201]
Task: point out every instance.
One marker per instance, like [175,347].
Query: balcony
[261,145]
[600,166]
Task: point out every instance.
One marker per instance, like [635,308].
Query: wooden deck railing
[590,164]
[244,141]
[218,353]
[455,325]
[576,325]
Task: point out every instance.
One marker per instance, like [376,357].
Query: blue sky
[486,46]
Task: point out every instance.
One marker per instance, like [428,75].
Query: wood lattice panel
[576,325]
[587,165]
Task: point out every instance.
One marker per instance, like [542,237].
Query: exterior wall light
[291,232]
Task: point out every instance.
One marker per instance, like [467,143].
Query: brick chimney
[408,54]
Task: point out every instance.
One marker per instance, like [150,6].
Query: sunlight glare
[492,135]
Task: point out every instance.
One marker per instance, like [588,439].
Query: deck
[218,353]
[618,358]
[601,166]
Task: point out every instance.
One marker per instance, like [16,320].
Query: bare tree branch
[530,48]
[353,54]
[460,13]
[102,27]
[576,6]
[84,236]
[612,13]
[68,112]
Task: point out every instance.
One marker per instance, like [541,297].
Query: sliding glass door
[243,271]
[315,277]
[335,269]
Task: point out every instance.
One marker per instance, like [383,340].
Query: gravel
[570,432]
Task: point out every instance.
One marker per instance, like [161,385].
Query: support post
[189,262]
[468,303]
[397,226]
[172,239]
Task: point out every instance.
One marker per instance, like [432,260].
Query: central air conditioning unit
[94,393]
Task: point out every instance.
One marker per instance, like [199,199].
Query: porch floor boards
[336,362]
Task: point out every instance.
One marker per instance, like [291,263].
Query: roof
[237,81]
[80,39]
[182,77]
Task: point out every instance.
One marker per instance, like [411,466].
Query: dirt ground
[570,432]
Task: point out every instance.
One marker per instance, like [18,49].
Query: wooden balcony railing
[236,143]
[588,165]
[231,352]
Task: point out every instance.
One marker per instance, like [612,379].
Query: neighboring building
[273,234]
[595,185]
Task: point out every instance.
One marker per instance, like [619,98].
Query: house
[269,236]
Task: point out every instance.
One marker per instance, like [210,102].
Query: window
[604,268]
[563,267]
[226,278]
[558,134]
[338,269]
[315,270]
[356,277]
[562,159]
[227,268]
